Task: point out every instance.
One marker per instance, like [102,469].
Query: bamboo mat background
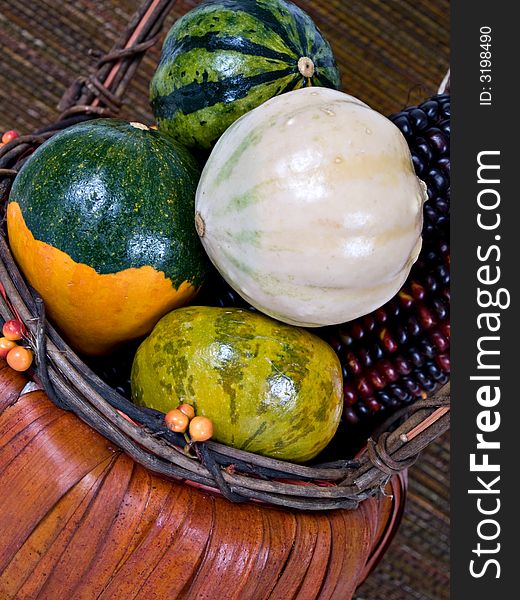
[392,53]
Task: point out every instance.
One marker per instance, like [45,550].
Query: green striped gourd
[226,57]
[268,388]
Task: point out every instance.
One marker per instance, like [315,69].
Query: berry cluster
[18,357]
[183,418]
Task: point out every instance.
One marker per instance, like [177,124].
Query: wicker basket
[237,475]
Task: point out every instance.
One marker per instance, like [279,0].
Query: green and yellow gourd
[100,221]
[269,388]
[226,57]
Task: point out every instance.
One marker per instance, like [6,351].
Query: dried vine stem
[116,69]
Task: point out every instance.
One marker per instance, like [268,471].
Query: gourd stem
[306,67]
[200,226]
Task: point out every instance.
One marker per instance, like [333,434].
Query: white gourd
[310,208]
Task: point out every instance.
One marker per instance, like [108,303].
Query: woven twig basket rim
[72,385]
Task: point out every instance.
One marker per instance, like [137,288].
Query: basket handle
[102,91]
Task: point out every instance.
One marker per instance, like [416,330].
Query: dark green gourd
[100,220]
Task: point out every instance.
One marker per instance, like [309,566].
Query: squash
[226,57]
[100,221]
[80,519]
[310,208]
[268,388]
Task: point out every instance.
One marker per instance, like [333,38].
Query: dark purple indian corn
[400,352]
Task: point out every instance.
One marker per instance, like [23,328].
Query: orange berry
[5,346]
[176,420]
[12,329]
[201,429]
[10,135]
[187,409]
[19,358]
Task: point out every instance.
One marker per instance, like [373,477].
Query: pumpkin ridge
[119,458]
[260,562]
[330,579]
[86,579]
[299,553]
[184,593]
[293,525]
[61,529]
[140,534]
[32,439]
[36,412]
[165,550]
[38,425]
[134,564]
[179,538]
[137,471]
[320,561]
[80,524]
[51,436]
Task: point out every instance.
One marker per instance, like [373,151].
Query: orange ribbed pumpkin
[82,520]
